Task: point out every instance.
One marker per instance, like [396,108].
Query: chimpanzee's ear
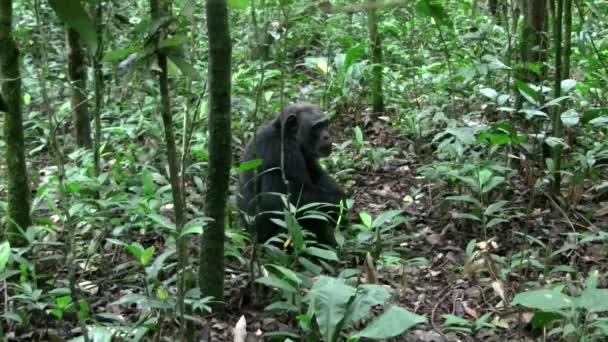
[291,122]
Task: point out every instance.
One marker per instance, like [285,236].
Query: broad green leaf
[118,55]
[594,300]
[541,319]
[284,272]
[277,283]
[545,300]
[5,254]
[72,13]
[192,230]
[567,85]
[147,183]
[455,320]
[594,113]
[63,302]
[391,323]
[495,221]
[249,165]
[358,135]
[484,176]
[282,306]
[162,221]
[492,183]
[185,67]
[570,118]
[329,297]
[385,216]
[435,10]
[530,94]
[321,253]
[147,255]
[554,141]
[367,297]
[489,93]
[494,207]
[366,219]
[352,54]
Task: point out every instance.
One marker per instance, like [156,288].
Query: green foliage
[573,311]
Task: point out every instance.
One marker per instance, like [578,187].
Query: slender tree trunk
[211,273]
[172,157]
[557,6]
[376,47]
[532,43]
[567,39]
[98,84]
[10,94]
[77,74]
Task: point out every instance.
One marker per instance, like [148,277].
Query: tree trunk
[77,75]
[211,273]
[10,93]
[172,158]
[376,47]
[557,7]
[567,39]
[533,43]
[98,84]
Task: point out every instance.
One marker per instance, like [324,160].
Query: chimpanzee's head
[309,125]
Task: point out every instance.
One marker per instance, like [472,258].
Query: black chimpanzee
[306,139]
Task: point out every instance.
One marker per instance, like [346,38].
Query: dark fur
[306,139]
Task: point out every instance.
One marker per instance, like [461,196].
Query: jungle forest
[297,170]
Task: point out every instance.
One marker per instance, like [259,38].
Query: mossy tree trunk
[77,75]
[211,273]
[10,94]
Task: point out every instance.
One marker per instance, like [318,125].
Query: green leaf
[530,94]
[238,4]
[494,207]
[391,323]
[329,298]
[489,93]
[385,216]
[455,320]
[147,255]
[545,300]
[464,198]
[570,118]
[63,302]
[554,141]
[367,297]
[192,230]
[492,183]
[284,272]
[434,10]
[358,135]
[72,13]
[594,113]
[541,319]
[366,219]
[321,253]
[185,67]
[248,165]
[567,85]
[118,55]
[352,54]
[495,221]
[277,283]
[5,254]
[466,216]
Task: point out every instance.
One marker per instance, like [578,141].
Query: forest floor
[452,283]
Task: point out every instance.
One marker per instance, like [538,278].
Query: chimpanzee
[306,139]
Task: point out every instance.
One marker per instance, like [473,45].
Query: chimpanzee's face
[309,125]
[319,137]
